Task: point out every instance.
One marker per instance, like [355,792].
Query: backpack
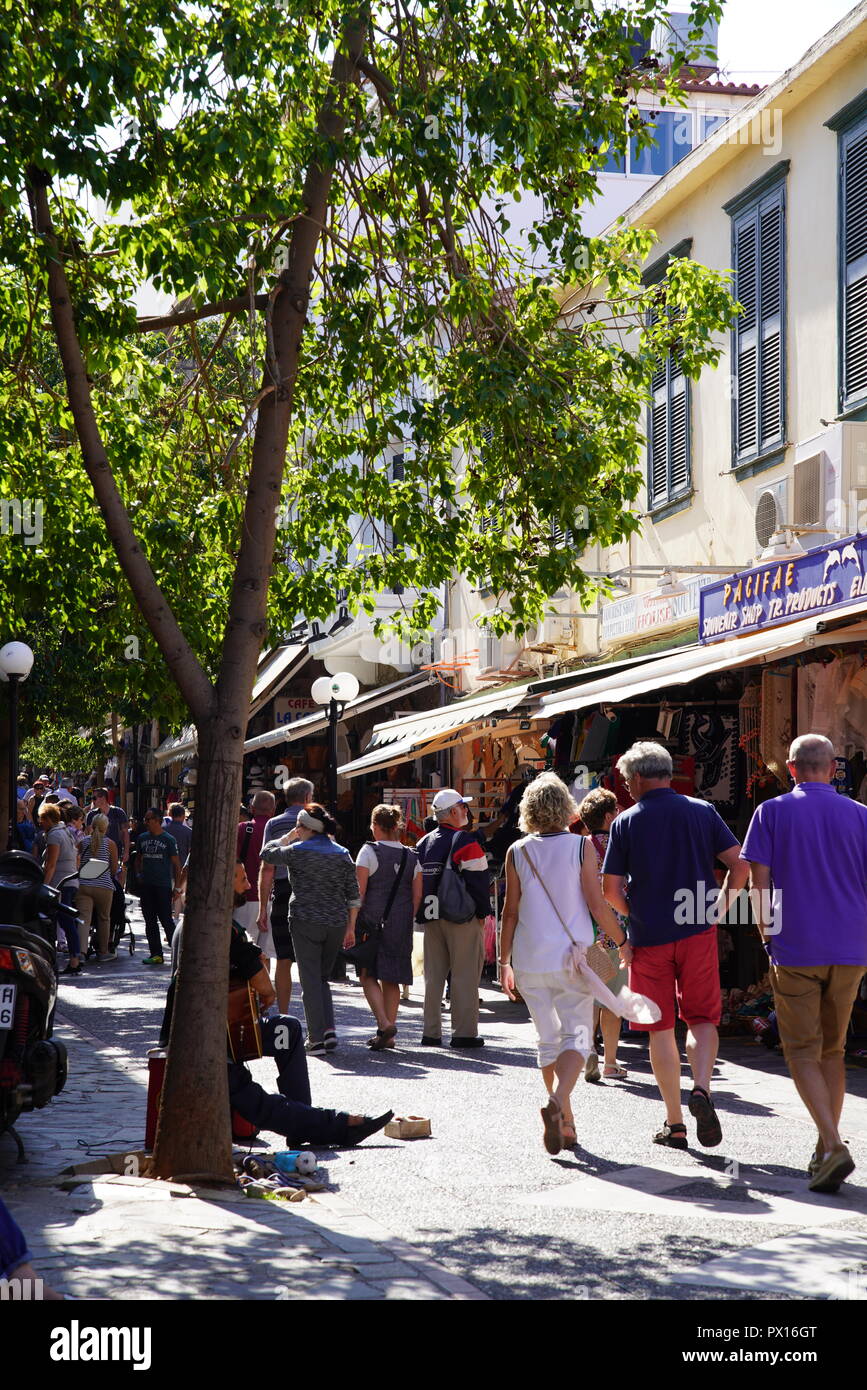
[455,901]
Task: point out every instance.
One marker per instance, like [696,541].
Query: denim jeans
[290,1112]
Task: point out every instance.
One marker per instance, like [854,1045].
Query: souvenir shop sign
[783,590]
[642,613]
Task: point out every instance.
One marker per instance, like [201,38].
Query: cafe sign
[783,590]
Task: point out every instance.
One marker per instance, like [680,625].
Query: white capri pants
[561,1007]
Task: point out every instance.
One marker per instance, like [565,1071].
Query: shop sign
[782,591]
[642,613]
[288,708]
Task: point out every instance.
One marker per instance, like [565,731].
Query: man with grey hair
[659,872]
[273,886]
[807,851]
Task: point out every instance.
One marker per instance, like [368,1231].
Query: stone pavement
[480,1202]
[126,1237]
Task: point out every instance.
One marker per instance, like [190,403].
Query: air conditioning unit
[770,502]
[845,448]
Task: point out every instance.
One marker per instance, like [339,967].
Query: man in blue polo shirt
[808,855]
[659,871]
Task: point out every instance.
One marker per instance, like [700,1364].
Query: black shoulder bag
[368,934]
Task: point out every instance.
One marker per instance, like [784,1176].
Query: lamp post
[16,661]
[334,692]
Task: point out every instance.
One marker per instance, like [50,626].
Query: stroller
[120,925]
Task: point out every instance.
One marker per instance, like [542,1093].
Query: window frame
[850,124]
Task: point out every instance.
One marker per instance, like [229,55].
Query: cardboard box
[408,1127]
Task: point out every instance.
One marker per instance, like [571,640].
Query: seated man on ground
[289,1113]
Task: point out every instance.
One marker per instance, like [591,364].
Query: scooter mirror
[92,869]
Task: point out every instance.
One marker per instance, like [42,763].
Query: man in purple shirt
[808,855]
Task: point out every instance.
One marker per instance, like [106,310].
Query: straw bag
[595,956]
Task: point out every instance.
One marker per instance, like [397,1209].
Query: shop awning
[684,666]
[275,669]
[314,723]
[179,746]
[399,740]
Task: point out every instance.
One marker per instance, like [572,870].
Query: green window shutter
[759,333]
[746,356]
[669,472]
[771,256]
[853,173]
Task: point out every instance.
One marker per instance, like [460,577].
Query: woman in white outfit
[552,896]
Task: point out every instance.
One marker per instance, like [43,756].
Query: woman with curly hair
[552,896]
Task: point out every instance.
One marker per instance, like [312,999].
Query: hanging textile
[776,722]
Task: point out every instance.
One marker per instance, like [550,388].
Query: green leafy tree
[65,748]
[325,192]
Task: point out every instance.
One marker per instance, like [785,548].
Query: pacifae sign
[783,590]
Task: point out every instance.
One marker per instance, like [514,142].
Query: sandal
[567,1130]
[382,1038]
[708,1128]
[672,1136]
[616,1073]
[551,1117]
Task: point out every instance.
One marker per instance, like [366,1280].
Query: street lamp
[16,662]
[334,691]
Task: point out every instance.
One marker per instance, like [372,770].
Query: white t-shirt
[541,940]
[63,794]
[367,859]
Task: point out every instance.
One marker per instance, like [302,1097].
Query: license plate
[7,1005]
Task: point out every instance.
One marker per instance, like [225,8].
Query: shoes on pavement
[109,955]
[467,1042]
[330,1040]
[355,1134]
[153,960]
[707,1127]
[591,1067]
[672,1136]
[836,1166]
[382,1038]
[71,970]
[315,1049]
[428,1041]
[815,1159]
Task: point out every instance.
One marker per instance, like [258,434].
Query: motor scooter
[33,1065]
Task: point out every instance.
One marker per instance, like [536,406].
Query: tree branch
[238,304]
[192,680]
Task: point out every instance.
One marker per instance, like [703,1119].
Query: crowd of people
[594,927]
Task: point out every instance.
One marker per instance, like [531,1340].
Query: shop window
[758,336]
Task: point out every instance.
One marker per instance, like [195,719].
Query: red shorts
[687,969]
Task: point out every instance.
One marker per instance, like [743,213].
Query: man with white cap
[455,901]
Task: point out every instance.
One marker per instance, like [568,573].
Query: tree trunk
[193,1134]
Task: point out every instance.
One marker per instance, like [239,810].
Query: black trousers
[156,906]
[290,1112]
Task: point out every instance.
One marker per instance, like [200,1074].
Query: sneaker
[832,1170]
[591,1067]
[467,1042]
[314,1049]
[815,1160]
[330,1040]
[153,960]
[109,955]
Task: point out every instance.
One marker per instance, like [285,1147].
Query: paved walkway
[478,1210]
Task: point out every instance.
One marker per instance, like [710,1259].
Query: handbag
[596,956]
[363,954]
